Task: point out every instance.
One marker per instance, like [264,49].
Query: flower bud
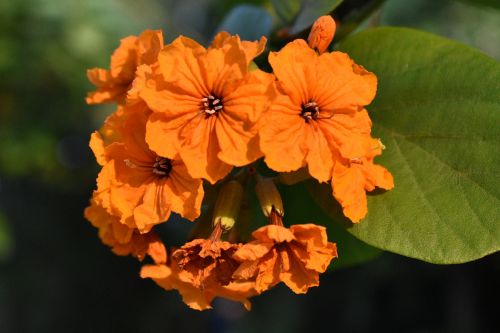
[322,33]
[269,196]
[228,204]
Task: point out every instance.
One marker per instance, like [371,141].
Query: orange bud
[322,33]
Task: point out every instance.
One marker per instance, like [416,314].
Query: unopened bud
[294,177]
[228,204]
[322,33]
[269,196]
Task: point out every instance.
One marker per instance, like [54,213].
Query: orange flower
[140,186]
[202,270]
[207,103]
[172,277]
[322,33]
[113,84]
[207,262]
[318,110]
[110,132]
[352,177]
[295,256]
[122,239]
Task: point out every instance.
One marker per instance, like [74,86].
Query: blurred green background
[56,276]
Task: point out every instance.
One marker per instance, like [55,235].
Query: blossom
[318,110]
[202,270]
[294,255]
[207,104]
[352,177]
[172,277]
[141,187]
[122,239]
[207,262]
[113,84]
[322,33]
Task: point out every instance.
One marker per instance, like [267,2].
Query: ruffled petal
[348,185]
[253,251]
[291,66]
[282,136]
[319,156]
[273,233]
[343,85]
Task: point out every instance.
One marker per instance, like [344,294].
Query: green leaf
[487,3]
[300,208]
[310,11]
[249,22]
[437,110]
[473,25]
[287,10]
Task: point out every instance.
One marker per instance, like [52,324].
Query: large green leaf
[310,11]
[300,208]
[438,112]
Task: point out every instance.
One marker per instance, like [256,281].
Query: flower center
[310,110]
[211,105]
[162,166]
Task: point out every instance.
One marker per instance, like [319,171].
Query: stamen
[162,166]
[310,111]
[356,160]
[211,105]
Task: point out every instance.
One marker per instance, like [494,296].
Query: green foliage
[249,22]
[476,26]
[487,3]
[437,110]
[287,10]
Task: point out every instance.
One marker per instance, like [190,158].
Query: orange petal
[155,207]
[98,76]
[378,176]
[160,135]
[184,192]
[148,45]
[343,85]
[253,251]
[199,147]
[281,136]
[291,65]
[124,59]
[319,157]
[273,233]
[179,64]
[348,188]
[97,145]
[299,279]
[347,133]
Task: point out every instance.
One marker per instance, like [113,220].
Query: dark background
[56,276]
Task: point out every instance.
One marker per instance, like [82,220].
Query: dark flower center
[211,105]
[310,110]
[162,166]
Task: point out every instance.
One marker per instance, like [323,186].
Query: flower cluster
[188,115]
